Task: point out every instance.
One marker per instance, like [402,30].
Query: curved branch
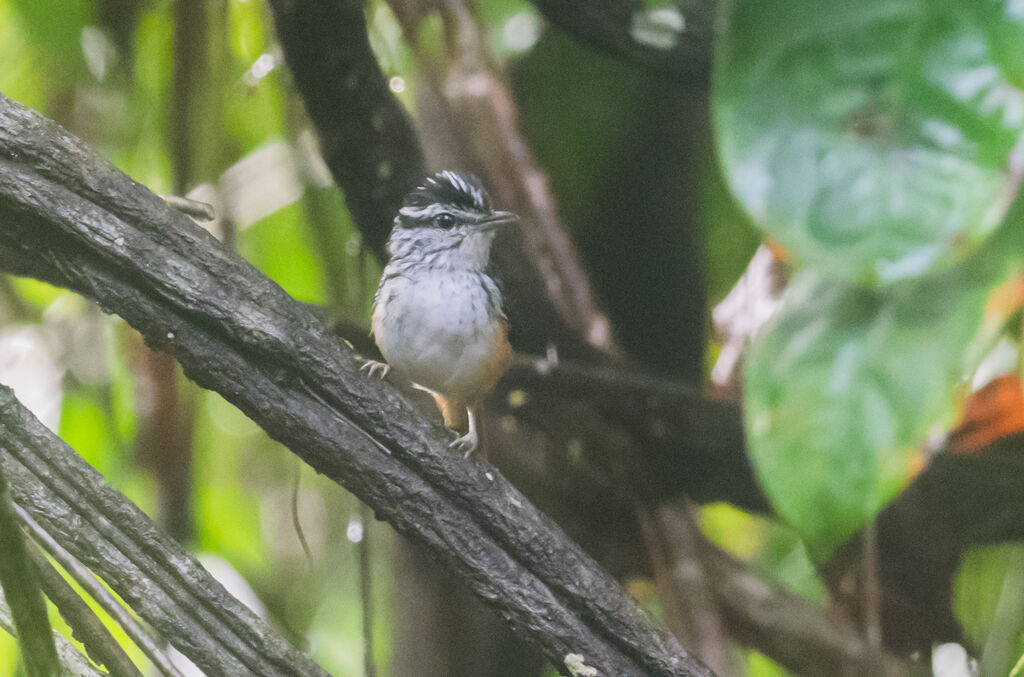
[675,43]
[959,501]
[71,219]
[674,425]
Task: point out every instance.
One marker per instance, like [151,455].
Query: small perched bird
[437,315]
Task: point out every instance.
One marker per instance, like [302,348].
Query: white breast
[438,329]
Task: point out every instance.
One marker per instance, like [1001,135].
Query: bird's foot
[466,444]
[375,368]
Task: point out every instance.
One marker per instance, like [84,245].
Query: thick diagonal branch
[71,219]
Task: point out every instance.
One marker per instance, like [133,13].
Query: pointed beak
[495,219]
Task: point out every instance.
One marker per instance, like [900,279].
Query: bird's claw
[375,368]
[466,444]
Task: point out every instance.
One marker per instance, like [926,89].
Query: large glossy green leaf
[872,138]
[843,388]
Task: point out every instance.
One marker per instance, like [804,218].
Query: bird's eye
[445,221]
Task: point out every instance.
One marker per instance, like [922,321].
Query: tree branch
[673,424]
[71,219]
[791,630]
[677,46]
[150,571]
[959,501]
[365,134]
[21,588]
[684,583]
[72,662]
[100,596]
[85,626]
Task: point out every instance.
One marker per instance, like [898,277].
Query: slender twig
[111,606]
[872,588]
[190,66]
[201,211]
[675,546]
[296,523]
[675,617]
[366,591]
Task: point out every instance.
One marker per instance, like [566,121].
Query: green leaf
[842,389]
[871,137]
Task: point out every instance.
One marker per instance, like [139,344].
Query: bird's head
[447,221]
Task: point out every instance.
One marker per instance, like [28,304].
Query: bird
[437,314]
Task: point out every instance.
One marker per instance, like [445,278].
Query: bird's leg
[467,444]
[375,368]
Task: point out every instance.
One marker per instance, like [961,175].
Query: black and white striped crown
[445,191]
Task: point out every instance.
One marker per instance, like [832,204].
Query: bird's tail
[456,416]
